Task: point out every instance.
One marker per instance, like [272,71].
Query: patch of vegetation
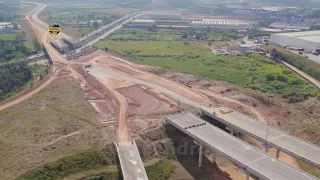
[309,168]
[66,166]
[172,35]
[13,49]
[257,33]
[252,71]
[306,65]
[12,77]
[160,170]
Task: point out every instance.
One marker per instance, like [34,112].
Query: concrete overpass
[272,137]
[252,160]
[131,164]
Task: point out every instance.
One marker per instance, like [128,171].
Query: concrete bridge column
[232,132]
[247,176]
[278,153]
[214,158]
[267,147]
[200,155]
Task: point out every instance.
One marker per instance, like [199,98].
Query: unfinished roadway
[253,161]
[38,28]
[272,137]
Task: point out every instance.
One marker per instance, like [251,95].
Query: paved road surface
[286,143]
[131,163]
[254,161]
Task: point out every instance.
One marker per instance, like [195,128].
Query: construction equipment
[225,111]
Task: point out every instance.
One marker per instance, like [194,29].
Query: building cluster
[221,24]
[296,24]
[6,27]
[308,40]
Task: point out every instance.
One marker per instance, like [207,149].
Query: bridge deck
[252,159]
[131,163]
[285,142]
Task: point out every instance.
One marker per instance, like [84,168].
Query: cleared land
[253,71]
[55,123]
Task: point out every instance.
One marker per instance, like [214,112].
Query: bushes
[13,76]
[66,166]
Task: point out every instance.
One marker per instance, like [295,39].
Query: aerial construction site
[129,120]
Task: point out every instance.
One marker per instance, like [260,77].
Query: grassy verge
[57,122]
[309,168]
[66,166]
[8,37]
[127,34]
[160,170]
[306,65]
[253,71]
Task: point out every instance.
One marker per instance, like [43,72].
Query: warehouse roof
[59,44]
[226,23]
[313,36]
[5,23]
[143,21]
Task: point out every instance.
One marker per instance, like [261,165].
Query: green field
[253,71]
[8,37]
[127,34]
[307,65]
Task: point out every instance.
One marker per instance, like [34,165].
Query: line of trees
[295,61]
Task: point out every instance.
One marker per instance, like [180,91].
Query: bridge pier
[214,158]
[247,175]
[278,153]
[200,155]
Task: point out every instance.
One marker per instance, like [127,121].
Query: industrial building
[221,24]
[73,43]
[141,23]
[159,16]
[6,27]
[308,40]
[60,46]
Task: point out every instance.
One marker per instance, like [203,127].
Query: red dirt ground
[143,102]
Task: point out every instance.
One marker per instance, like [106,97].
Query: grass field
[307,65]
[10,36]
[254,71]
[34,132]
[169,35]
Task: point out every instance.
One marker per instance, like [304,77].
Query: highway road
[285,142]
[251,159]
[130,160]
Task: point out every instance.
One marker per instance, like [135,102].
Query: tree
[198,37]
[209,44]
[37,45]
[208,29]
[184,36]
[95,24]
[106,49]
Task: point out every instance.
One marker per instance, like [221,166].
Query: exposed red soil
[143,102]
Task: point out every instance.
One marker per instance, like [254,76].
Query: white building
[222,24]
[309,40]
[160,16]
[6,27]
[141,23]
